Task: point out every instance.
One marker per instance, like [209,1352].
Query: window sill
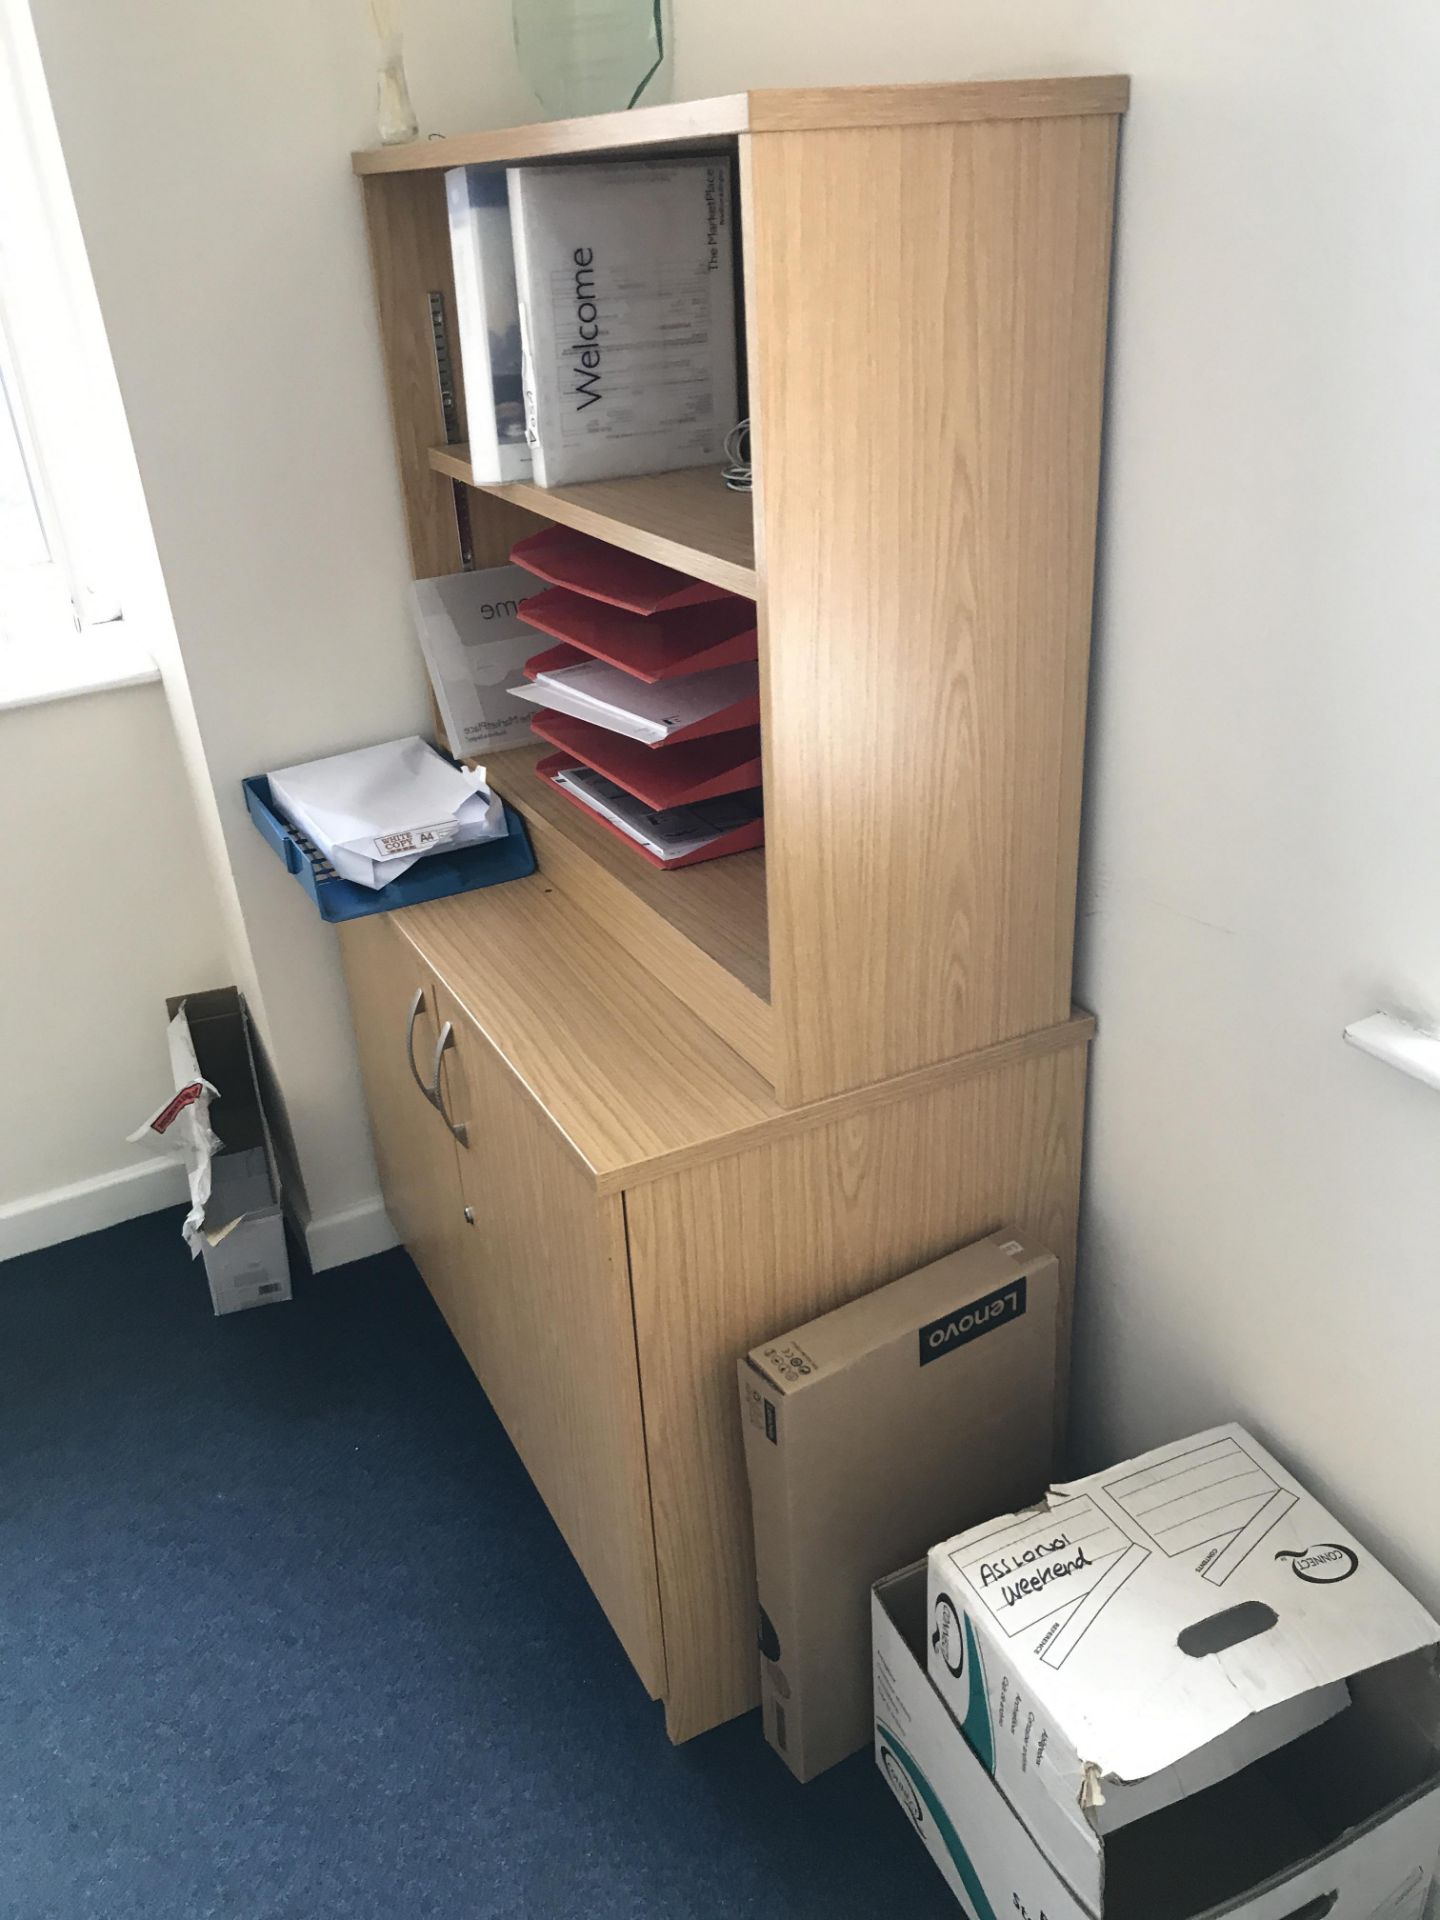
[94,662]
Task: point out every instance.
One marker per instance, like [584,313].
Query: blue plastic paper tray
[433,878]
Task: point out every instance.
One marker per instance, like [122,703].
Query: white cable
[737,471]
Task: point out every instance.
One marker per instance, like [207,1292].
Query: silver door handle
[431,1088]
[434,1094]
[415,1005]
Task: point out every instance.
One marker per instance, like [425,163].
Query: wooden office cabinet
[643,1213]
[699,1107]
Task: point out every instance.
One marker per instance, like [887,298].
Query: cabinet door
[414,1149]
[552,1334]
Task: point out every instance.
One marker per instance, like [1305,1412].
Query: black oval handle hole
[1315,1909]
[766,1636]
[1227,1629]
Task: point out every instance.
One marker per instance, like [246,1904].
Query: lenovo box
[1145,1637]
[870,1432]
[1341,1824]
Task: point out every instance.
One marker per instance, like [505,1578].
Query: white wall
[208,152]
[1262,1215]
[108,909]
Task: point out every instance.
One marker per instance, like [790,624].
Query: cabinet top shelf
[689,519]
[701,123]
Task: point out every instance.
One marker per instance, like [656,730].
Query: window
[57,579]
[37,597]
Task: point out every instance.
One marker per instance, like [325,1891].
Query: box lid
[1156,1606]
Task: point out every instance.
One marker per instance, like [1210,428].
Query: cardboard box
[1343,1824]
[243,1230]
[1149,1632]
[868,1432]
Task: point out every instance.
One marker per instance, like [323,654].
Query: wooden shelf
[708,123]
[703,931]
[690,519]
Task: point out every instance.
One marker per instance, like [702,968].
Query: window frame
[49,334]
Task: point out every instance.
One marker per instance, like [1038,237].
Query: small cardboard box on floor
[869,1432]
[241,1231]
[1159,1725]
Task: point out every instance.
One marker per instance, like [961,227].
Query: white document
[488,316]
[474,643]
[374,812]
[648,711]
[181,1126]
[668,832]
[626,280]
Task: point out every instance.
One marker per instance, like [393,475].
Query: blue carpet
[286,1634]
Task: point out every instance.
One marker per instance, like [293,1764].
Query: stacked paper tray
[432,878]
[660,776]
[657,646]
[738,713]
[675,800]
[594,567]
[740,839]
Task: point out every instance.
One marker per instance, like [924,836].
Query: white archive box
[1342,1824]
[1150,1632]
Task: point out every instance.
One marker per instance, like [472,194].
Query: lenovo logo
[969,1322]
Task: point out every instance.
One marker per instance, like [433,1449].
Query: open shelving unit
[925,425]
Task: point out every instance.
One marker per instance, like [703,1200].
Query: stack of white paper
[625,275]
[474,643]
[668,832]
[648,711]
[375,812]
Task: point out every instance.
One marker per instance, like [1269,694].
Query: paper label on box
[1211,1505]
[385,846]
[1063,1571]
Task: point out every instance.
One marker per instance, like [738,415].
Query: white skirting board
[64,1213]
[334,1239]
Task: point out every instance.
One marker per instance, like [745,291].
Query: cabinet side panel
[926,312]
[735,1252]
[410,258]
